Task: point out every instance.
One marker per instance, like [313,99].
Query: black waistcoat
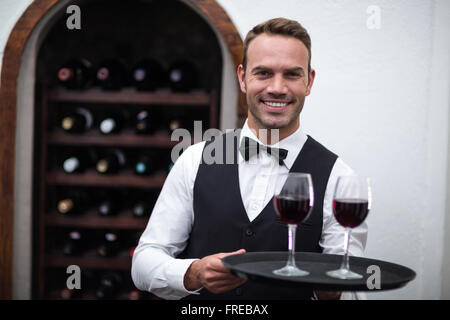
[221,223]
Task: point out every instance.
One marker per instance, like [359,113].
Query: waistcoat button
[249,232]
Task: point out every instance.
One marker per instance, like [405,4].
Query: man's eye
[294,75]
[262,73]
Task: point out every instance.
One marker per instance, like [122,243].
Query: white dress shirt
[154,266]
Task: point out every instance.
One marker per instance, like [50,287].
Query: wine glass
[352,201]
[293,204]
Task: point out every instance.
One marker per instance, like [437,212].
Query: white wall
[380,100]
[10,11]
[377,102]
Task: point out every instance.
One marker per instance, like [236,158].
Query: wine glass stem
[345,263]
[291,245]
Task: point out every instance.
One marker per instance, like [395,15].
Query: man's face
[275,82]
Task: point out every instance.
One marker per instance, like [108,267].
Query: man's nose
[277,86]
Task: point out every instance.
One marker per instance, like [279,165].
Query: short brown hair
[279,26]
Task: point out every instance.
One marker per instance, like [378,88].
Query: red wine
[75,74]
[350,212]
[291,210]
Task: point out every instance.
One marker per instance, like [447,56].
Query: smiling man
[206,212]
[276,81]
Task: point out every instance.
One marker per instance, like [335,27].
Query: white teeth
[275,104]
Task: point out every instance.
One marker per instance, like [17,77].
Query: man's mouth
[275,105]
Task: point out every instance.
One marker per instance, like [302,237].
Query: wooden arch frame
[8,110]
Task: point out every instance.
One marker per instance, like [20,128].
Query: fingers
[222,286]
[213,275]
[209,272]
[328,295]
[218,266]
[216,277]
[226,254]
[219,282]
[223,255]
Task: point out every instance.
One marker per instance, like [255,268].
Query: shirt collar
[293,143]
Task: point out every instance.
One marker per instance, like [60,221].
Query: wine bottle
[182,76]
[110,285]
[75,74]
[73,202]
[135,295]
[74,244]
[133,242]
[146,164]
[113,121]
[175,124]
[147,75]
[76,162]
[78,121]
[108,207]
[131,251]
[109,204]
[109,245]
[142,208]
[111,162]
[145,122]
[111,75]
[86,283]
[70,294]
[135,237]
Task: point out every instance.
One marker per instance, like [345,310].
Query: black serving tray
[258,266]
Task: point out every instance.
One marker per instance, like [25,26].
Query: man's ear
[311,77]
[241,78]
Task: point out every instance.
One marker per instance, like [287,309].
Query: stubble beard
[271,122]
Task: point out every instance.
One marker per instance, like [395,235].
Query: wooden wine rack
[167,31]
[54,177]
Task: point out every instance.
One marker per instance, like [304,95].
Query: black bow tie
[250,147]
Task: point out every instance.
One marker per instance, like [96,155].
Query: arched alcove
[17,122]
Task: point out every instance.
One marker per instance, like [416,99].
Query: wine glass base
[290,271]
[344,274]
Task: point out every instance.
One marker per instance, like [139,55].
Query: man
[206,211]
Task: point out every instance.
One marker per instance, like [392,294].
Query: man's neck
[272,136]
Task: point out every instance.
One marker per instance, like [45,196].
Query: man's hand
[328,295]
[210,273]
